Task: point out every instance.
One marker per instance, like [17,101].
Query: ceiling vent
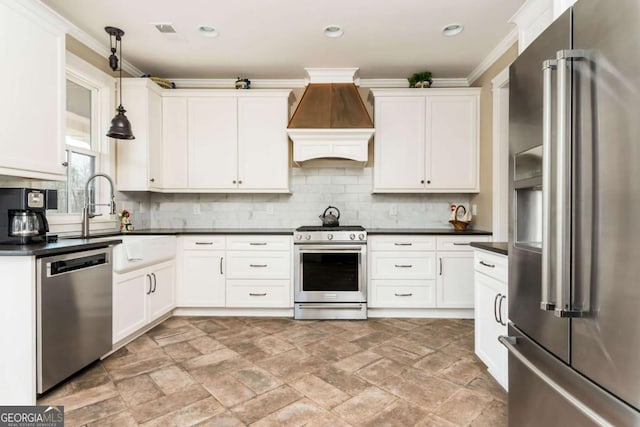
[331,121]
[165,28]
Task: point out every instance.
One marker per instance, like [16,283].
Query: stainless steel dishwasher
[74,313]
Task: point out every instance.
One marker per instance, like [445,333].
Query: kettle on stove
[329,219]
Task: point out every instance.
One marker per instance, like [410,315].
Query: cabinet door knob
[234,181]
[429,182]
[240,182]
[152,180]
[65,164]
[422,181]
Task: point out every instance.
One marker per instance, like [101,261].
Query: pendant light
[120,125]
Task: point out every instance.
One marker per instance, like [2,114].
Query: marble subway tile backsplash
[312,190]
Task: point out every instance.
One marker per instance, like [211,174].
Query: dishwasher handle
[79,263]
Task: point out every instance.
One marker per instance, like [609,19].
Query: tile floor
[234,371]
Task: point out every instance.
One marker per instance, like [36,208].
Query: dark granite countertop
[436,231]
[195,231]
[501,248]
[56,248]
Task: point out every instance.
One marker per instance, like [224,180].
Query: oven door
[330,273]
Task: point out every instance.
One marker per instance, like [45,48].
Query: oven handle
[329,305]
[331,248]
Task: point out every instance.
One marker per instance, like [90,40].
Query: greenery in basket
[424,76]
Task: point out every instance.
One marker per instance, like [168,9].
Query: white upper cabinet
[263,147]
[212,146]
[399,162]
[33,70]
[139,160]
[174,162]
[427,140]
[204,140]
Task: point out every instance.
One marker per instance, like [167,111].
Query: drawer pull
[487,265]
[404,295]
[257,265]
[403,244]
[461,244]
[263,294]
[204,243]
[404,265]
[258,244]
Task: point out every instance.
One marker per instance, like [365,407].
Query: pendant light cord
[120,88]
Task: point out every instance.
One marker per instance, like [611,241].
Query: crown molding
[504,45]
[401,83]
[51,16]
[230,83]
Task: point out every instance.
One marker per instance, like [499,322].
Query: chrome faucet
[86,215]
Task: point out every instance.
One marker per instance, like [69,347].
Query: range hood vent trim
[331,122]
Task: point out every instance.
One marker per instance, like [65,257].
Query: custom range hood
[331,120]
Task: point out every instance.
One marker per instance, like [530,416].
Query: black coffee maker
[22,214]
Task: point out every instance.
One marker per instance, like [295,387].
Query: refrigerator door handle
[563,196]
[510,343]
[546,303]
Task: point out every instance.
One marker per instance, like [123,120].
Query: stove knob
[308,237]
[299,237]
[361,236]
[352,236]
[330,236]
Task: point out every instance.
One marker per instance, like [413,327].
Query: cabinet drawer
[407,293]
[493,265]
[258,265]
[259,243]
[402,243]
[405,265]
[459,243]
[259,293]
[204,243]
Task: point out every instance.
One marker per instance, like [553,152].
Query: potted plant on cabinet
[420,80]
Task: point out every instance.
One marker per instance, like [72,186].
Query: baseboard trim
[428,313]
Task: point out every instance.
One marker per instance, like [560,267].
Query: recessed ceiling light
[333,31]
[208,31]
[452,30]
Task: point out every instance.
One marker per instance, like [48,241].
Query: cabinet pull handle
[150,284]
[487,265]
[204,243]
[495,308]
[221,272]
[502,298]
[440,259]
[403,244]
[403,295]
[404,265]
[257,265]
[263,294]
[258,244]
[155,283]
[460,244]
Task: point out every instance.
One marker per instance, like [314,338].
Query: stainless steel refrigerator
[574,233]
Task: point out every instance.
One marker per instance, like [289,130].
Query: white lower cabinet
[259,272]
[454,281]
[411,271]
[402,272]
[491,312]
[203,272]
[142,296]
[239,271]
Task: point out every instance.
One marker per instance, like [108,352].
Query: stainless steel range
[330,265]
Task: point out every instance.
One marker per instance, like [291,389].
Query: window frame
[102,88]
